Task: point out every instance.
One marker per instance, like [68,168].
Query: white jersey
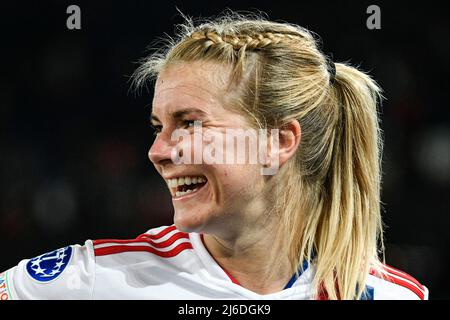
[163,263]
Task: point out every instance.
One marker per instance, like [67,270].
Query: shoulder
[162,242]
[84,272]
[146,267]
[65,273]
[389,283]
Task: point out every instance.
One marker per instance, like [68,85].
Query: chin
[188,222]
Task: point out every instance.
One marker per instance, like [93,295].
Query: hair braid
[256,41]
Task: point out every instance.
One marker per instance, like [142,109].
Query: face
[207,197]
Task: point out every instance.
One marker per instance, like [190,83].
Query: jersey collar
[303,276]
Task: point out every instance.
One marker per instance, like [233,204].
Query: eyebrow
[181,113]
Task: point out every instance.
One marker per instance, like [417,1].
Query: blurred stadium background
[74,140]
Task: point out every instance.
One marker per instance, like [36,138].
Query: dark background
[74,140]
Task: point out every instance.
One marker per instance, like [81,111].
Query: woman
[308,228]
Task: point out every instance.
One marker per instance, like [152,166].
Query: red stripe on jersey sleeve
[420,293]
[162,244]
[403,275]
[124,248]
[158,235]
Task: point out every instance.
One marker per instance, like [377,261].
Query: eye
[156,129]
[188,123]
[191,123]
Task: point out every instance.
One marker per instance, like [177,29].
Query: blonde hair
[328,195]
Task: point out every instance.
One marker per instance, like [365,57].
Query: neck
[247,259]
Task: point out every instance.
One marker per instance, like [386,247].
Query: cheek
[240,180]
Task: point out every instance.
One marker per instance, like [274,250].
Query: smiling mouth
[182,186]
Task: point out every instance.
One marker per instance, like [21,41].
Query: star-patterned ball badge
[49,266]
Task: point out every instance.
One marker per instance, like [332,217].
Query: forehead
[196,85]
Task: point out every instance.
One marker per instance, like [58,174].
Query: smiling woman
[310,230]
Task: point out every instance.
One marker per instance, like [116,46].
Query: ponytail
[351,227]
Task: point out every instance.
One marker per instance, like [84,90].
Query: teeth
[173,183]
[182,193]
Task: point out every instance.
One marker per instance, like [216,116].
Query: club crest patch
[49,266]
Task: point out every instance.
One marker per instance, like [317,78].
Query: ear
[289,140]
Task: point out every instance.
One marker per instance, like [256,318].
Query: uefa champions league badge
[49,266]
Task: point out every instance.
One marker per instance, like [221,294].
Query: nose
[161,149]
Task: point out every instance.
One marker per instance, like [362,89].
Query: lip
[190,194]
